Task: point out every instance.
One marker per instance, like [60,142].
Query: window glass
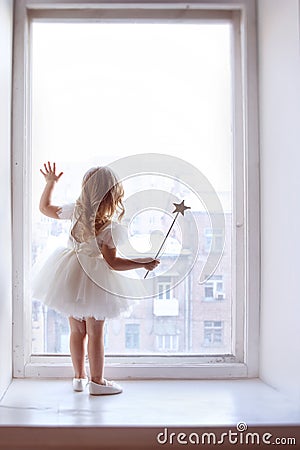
[102,91]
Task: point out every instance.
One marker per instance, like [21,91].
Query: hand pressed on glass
[50,172]
[45,202]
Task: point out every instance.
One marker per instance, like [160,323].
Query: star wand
[179,208]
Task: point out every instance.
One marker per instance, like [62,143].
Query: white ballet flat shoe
[109,388]
[79,384]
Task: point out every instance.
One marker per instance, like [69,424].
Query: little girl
[64,283]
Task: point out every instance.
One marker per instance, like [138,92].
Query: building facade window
[167,343]
[214,289]
[213,241]
[213,333]
[164,290]
[132,336]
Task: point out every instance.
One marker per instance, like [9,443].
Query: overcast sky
[104,91]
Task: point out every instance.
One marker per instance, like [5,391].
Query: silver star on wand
[179,208]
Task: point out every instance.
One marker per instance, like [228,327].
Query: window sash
[244,358]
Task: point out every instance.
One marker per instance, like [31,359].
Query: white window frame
[245,239]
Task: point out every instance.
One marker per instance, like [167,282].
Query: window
[213,241]
[167,343]
[132,336]
[171,81]
[214,289]
[213,333]
[164,288]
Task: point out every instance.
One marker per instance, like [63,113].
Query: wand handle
[158,251]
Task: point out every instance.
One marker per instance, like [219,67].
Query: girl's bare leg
[95,331]
[77,346]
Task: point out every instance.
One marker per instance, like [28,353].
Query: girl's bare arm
[117,263]
[45,202]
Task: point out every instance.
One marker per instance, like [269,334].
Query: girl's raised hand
[50,172]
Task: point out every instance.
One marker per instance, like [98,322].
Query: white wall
[6,12]
[279,72]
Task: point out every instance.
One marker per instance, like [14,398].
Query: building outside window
[167,343]
[213,241]
[132,336]
[213,333]
[214,289]
[164,288]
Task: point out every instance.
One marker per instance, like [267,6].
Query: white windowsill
[30,402]
[34,413]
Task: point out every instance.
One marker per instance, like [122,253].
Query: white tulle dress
[77,281]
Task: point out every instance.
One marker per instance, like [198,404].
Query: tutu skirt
[62,283]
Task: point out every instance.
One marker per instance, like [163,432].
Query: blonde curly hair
[100,198]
